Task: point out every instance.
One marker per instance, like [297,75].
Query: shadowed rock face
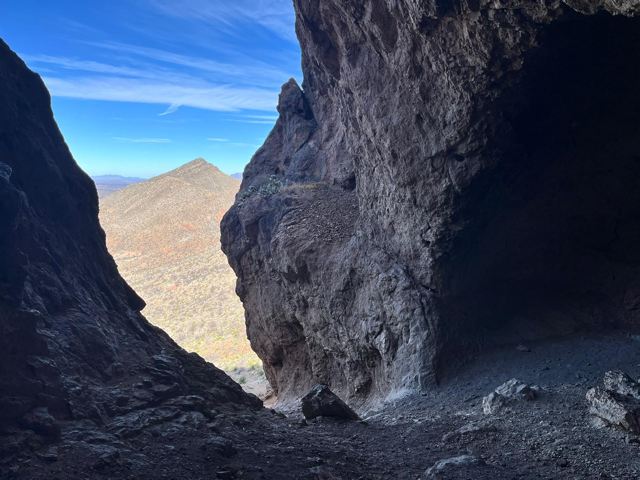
[456,175]
[73,345]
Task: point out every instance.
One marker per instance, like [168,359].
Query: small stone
[108,456]
[447,466]
[221,445]
[50,455]
[523,348]
[42,422]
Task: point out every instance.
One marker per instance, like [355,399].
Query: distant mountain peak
[165,236]
[198,169]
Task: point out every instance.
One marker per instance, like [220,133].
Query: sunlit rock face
[73,344]
[456,175]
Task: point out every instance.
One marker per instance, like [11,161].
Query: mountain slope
[165,237]
[109,184]
[77,359]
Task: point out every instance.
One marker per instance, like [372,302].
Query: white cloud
[275,15]
[142,140]
[271,118]
[199,94]
[172,108]
[265,122]
[89,66]
[218,139]
[250,72]
[235,88]
[247,145]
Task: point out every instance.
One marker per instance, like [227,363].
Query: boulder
[618,404]
[614,409]
[509,392]
[322,402]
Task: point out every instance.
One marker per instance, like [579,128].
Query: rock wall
[73,344]
[453,175]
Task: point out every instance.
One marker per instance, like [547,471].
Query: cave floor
[553,436]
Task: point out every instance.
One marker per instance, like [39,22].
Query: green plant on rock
[271,187]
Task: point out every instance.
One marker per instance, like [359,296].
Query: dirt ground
[551,437]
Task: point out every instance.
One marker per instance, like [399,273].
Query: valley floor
[551,437]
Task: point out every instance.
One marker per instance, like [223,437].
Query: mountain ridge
[164,235]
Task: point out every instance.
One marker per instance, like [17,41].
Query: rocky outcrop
[74,348]
[455,175]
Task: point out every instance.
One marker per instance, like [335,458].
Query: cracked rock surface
[456,176]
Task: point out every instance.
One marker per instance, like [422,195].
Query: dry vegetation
[165,237]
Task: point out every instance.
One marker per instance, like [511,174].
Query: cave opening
[553,245]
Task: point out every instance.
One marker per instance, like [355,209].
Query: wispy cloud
[254,73]
[257,119]
[245,145]
[235,88]
[272,118]
[201,95]
[275,15]
[218,139]
[77,27]
[172,108]
[142,140]
[142,70]
[265,122]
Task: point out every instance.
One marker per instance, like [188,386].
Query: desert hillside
[164,234]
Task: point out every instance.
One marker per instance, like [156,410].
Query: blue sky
[140,87]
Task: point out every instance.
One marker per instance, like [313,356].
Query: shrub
[273,186]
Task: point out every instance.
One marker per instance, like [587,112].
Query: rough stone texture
[73,344]
[614,409]
[322,402]
[618,404]
[457,175]
[509,392]
[622,383]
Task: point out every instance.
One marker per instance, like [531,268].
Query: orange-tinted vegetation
[165,237]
